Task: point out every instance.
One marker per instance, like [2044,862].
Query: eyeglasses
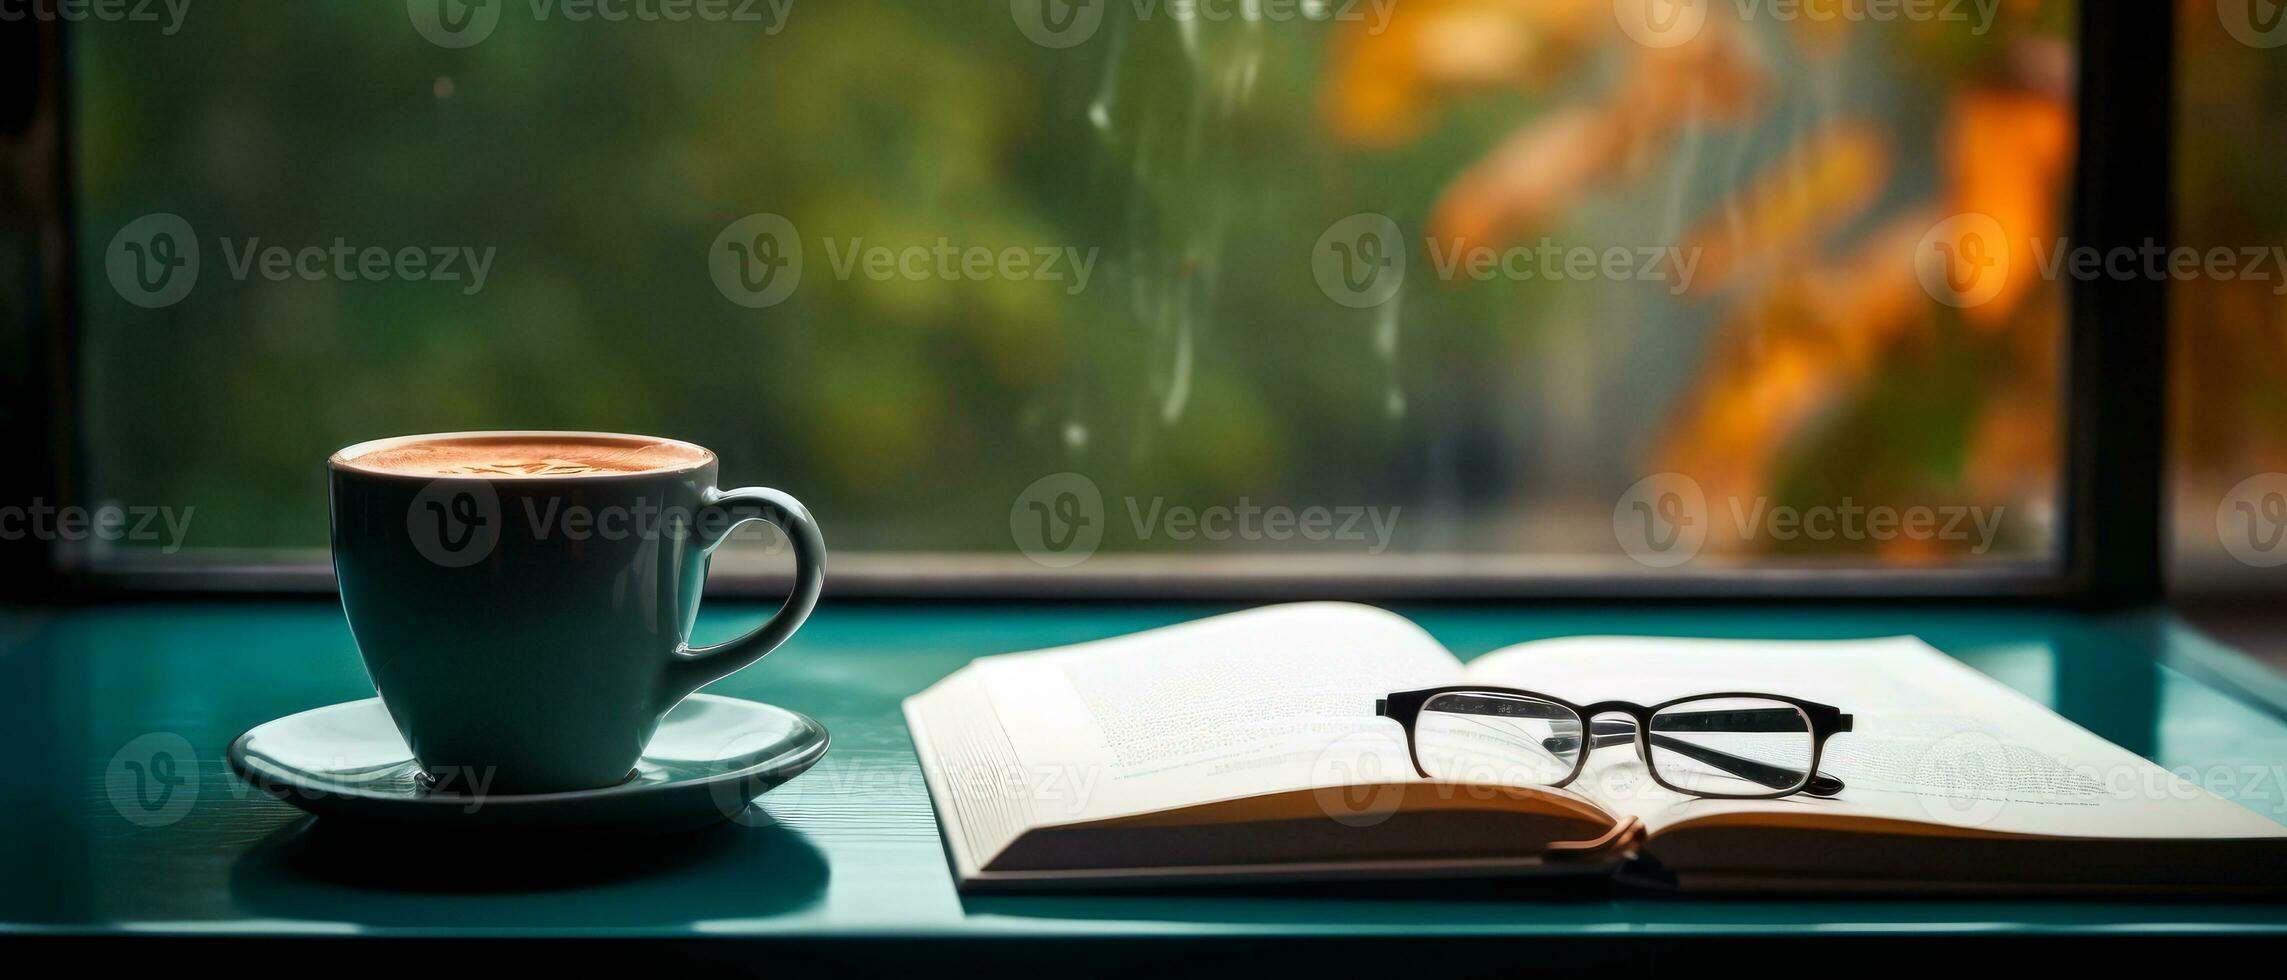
[1724,746]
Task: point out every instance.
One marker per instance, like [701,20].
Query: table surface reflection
[851,850]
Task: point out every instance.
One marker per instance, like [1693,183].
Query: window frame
[2110,547]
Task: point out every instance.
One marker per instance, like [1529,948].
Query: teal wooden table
[844,863]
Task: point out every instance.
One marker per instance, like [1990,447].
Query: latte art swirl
[527,457]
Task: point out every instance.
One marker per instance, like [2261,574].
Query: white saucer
[712,756]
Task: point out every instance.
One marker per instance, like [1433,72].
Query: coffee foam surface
[513,457]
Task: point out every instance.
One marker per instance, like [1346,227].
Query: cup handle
[725,511]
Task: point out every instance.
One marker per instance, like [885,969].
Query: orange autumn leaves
[1820,319]
[1810,262]
[1782,214]
[2007,152]
[1388,88]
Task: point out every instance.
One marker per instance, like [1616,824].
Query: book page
[1935,742]
[1263,701]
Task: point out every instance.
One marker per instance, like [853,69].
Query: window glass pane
[1580,286]
[2228,321]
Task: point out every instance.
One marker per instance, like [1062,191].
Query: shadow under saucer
[320,870]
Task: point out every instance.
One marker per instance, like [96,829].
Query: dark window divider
[2116,409]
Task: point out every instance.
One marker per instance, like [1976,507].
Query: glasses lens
[1732,746]
[1500,739]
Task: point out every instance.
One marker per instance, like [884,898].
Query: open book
[1247,746]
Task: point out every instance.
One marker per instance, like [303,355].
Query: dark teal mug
[528,631]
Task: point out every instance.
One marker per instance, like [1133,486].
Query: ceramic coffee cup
[528,621]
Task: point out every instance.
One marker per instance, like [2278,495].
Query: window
[1527,290]
[2229,328]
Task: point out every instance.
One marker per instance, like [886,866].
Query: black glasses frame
[1825,721]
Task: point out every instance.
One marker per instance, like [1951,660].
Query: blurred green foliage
[1202,364]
